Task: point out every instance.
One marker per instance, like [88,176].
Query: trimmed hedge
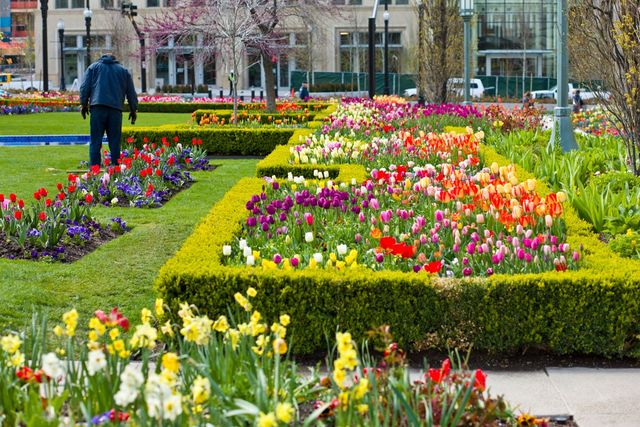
[265,118]
[593,311]
[218,141]
[190,107]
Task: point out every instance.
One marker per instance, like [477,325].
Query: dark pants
[105,119]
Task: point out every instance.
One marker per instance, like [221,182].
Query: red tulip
[480,380]
[72,188]
[43,192]
[47,203]
[1,197]
[42,216]
[88,198]
[17,215]
[61,196]
[21,203]
[36,195]
[59,186]
[13,197]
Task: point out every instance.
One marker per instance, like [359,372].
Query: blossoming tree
[228,28]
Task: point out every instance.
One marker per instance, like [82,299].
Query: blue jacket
[106,83]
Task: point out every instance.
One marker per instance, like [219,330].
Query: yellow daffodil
[267,420]
[159,307]
[221,325]
[145,315]
[171,362]
[285,319]
[284,412]
[279,346]
[251,292]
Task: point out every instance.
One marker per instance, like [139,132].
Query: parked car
[10,81]
[552,93]
[456,86]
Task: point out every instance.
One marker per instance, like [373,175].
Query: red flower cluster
[115,318]
[27,375]
[402,249]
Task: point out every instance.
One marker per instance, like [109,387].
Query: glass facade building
[515,37]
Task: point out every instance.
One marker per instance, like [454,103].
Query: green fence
[503,86]
[322,81]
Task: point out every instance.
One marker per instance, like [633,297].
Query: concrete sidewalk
[595,397]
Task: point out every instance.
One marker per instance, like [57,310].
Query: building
[507,34]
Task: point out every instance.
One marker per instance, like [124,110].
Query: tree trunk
[269,81]
[443,35]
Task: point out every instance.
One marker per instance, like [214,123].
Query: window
[106,4]
[402,1]
[62,4]
[77,4]
[354,53]
[153,3]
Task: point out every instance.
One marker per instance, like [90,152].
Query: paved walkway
[595,397]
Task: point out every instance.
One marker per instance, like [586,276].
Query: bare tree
[228,28]
[611,52]
[443,38]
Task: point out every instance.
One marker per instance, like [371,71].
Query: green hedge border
[593,311]
[226,141]
[190,107]
[227,115]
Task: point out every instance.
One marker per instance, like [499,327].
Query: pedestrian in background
[304,91]
[102,93]
[527,101]
[578,103]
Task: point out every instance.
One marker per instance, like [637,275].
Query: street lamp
[466,12]
[44,8]
[61,38]
[562,128]
[385,16]
[421,53]
[87,23]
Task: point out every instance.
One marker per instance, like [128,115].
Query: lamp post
[87,23]
[44,8]
[310,72]
[562,128]
[385,16]
[372,50]
[466,12]
[61,38]
[421,53]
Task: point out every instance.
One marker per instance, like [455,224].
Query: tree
[442,41]
[228,28]
[610,50]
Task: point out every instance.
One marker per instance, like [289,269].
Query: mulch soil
[73,251]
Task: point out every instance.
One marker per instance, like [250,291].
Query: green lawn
[72,123]
[120,273]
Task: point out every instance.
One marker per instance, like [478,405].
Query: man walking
[106,84]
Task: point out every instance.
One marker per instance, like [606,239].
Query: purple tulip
[277,258]
[294,262]
[251,221]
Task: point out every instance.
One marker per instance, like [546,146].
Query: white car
[584,93]
[456,86]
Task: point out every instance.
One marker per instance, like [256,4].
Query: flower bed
[222,371]
[59,227]
[454,219]
[325,291]
[145,177]
[247,119]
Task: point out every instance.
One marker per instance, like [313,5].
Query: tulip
[308,236]
[226,250]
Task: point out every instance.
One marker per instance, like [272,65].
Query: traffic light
[133,10]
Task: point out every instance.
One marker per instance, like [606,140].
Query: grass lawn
[120,273]
[72,123]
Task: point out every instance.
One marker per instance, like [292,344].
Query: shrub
[216,142]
